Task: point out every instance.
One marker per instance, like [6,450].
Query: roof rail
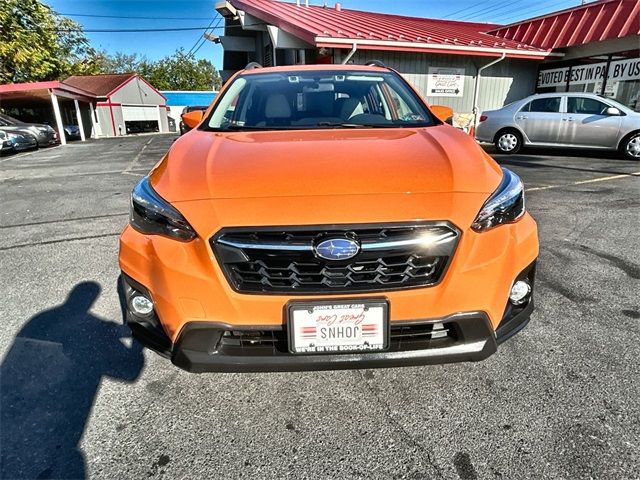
[252,65]
[375,63]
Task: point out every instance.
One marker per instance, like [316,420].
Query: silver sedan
[579,120]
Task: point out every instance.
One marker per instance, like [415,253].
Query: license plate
[338,327]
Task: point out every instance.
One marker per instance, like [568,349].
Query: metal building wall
[505,82]
[104,120]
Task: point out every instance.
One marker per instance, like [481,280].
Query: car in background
[72,132]
[183,127]
[5,143]
[581,120]
[19,141]
[20,138]
[44,134]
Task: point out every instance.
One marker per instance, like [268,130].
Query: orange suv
[323,217]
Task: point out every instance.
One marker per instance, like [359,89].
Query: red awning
[341,28]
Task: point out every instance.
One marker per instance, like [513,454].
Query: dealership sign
[445,82]
[619,70]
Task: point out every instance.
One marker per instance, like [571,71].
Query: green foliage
[37,44]
[178,71]
[182,72]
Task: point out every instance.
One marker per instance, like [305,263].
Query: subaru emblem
[337,249]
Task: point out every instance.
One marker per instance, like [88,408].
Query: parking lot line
[62,240]
[62,220]
[137,157]
[581,182]
[74,174]
[24,154]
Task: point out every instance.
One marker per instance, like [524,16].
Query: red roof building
[487,65]
[100,105]
[337,27]
[99,85]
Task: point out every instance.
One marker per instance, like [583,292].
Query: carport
[51,102]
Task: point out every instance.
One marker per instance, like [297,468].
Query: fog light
[519,292]
[141,305]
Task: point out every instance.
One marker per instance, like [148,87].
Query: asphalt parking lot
[80,399]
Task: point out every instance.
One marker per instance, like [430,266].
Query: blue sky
[200,13]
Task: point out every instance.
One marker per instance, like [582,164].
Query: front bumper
[218,347]
[189,288]
[22,146]
[46,139]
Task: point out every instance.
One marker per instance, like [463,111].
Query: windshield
[318,99]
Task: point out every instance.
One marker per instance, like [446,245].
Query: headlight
[505,205]
[153,215]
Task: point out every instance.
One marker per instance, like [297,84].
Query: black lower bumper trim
[147,330]
[475,341]
[512,325]
[200,347]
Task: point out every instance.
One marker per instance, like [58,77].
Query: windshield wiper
[240,128]
[350,125]
[236,128]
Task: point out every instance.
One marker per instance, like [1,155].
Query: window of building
[615,75]
[623,82]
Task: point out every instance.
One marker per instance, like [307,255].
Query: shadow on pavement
[519,161]
[536,153]
[48,382]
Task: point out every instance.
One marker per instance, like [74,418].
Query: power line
[482,9]
[204,39]
[490,9]
[472,7]
[128,16]
[200,37]
[508,16]
[142,30]
[128,30]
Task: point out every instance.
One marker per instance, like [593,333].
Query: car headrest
[350,107]
[277,106]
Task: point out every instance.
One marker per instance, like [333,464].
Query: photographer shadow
[49,379]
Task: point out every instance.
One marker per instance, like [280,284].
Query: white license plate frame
[337,304]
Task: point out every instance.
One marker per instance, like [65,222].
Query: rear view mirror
[192,119]
[443,113]
[613,112]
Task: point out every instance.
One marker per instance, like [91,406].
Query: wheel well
[627,137]
[507,129]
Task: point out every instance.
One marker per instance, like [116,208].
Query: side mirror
[443,113]
[192,119]
[613,112]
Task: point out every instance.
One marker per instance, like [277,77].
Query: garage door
[138,113]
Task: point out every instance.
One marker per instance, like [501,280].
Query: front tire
[508,141]
[630,147]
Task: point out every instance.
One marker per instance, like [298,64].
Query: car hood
[16,129]
[212,165]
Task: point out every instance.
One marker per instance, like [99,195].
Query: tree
[182,72]
[38,44]
[178,71]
